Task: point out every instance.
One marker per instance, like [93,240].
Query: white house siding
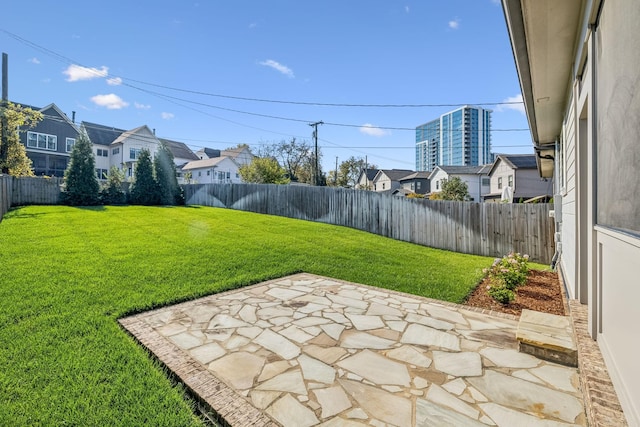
[436,180]
[567,213]
[501,170]
[529,184]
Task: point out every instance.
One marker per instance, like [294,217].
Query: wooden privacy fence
[36,191]
[489,229]
[6,189]
[28,191]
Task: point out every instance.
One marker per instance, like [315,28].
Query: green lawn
[67,274]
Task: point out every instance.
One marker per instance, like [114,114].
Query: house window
[115,150]
[134,153]
[383,185]
[200,173]
[437,185]
[208,173]
[102,173]
[102,152]
[42,141]
[486,182]
[510,181]
[499,183]
[419,184]
[70,143]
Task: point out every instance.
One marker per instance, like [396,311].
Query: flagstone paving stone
[312,351]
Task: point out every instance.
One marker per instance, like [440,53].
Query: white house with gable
[217,170]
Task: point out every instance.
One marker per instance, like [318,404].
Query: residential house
[49,143]
[241,155]
[218,170]
[519,173]
[417,182]
[365,179]
[476,178]
[117,147]
[579,70]
[389,179]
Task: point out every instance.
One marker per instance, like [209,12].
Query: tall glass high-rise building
[459,138]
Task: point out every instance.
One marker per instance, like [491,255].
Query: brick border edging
[218,398]
[600,399]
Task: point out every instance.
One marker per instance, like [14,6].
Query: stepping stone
[547,336]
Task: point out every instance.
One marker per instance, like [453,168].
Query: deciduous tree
[455,188]
[13,155]
[264,170]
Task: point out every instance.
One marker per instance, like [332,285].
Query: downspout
[557,213]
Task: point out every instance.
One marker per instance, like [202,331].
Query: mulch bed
[541,293]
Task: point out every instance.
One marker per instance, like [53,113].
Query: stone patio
[306,350]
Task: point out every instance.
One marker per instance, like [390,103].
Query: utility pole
[335,177]
[3,123]
[316,174]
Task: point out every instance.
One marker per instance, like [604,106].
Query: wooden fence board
[489,229]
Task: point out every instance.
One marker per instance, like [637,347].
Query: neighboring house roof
[132,134]
[180,150]
[401,192]
[233,152]
[209,152]
[461,170]
[516,161]
[54,107]
[205,163]
[100,134]
[371,173]
[416,175]
[393,174]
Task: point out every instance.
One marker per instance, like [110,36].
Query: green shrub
[112,193]
[501,294]
[506,275]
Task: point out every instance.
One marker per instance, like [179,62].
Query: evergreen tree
[13,155]
[165,171]
[80,180]
[112,193]
[144,190]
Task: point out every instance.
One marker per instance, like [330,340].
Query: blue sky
[182,67]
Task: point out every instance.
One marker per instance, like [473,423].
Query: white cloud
[278,67]
[253,25]
[114,81]
[110,101]
[371,130]
[513,103]
[167,116]
[454,24]
[34,60]
[406,9]
[77,72]
[141,106]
